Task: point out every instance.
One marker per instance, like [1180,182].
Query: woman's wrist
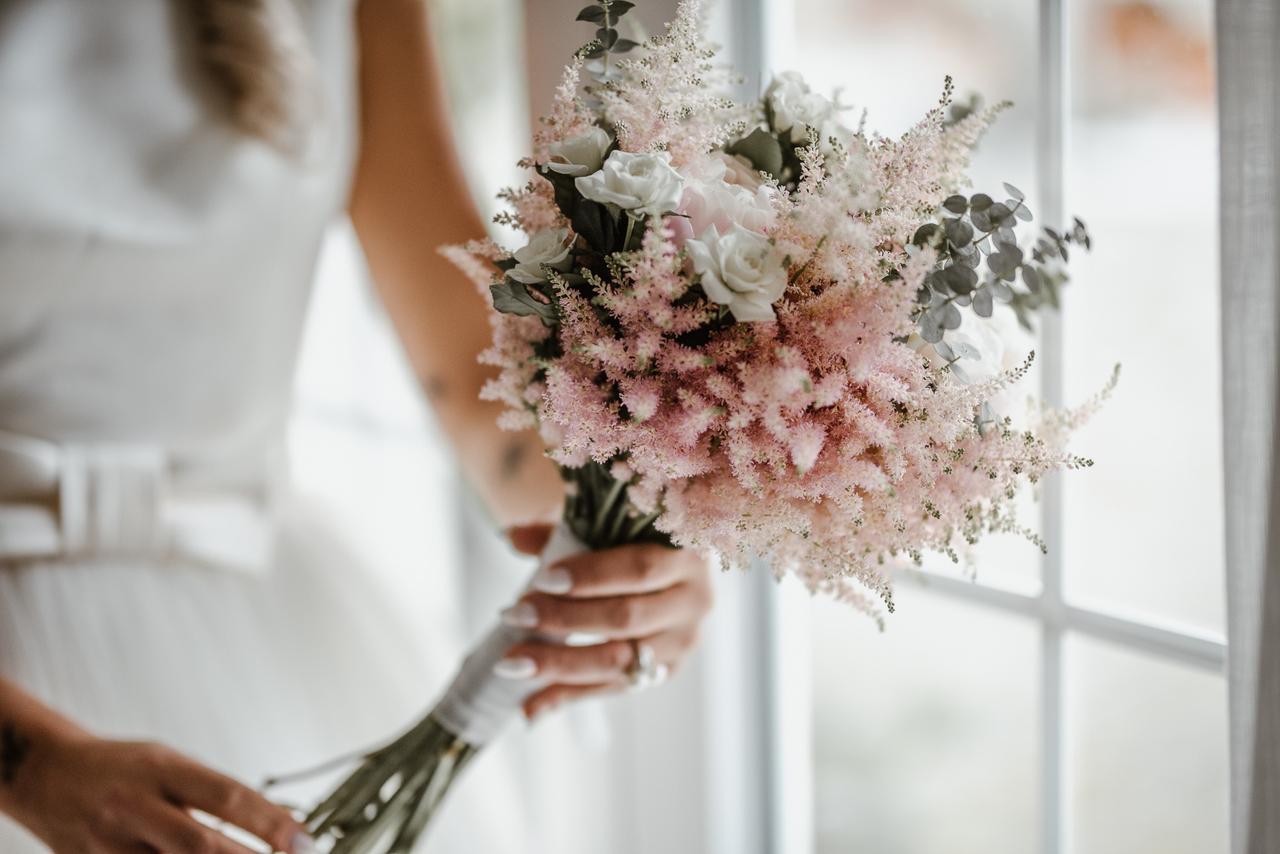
[32,737]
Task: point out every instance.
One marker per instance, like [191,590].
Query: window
[1074,703]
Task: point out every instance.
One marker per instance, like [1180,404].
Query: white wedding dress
[157,578]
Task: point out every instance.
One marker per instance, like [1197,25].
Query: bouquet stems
[387,802]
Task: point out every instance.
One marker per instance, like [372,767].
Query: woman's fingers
[594,664]
[550,698]
[530,539]
[192,785]
[614,617]
[167,828]
[640,568]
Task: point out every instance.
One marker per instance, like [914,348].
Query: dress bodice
[154,262]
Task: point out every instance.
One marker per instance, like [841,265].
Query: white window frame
[773,631]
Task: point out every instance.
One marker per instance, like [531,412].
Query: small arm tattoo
[513,457]
[14,748]
[437,389]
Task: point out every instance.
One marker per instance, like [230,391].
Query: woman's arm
[80,793]
[410,196]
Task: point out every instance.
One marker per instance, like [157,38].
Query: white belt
[77,500]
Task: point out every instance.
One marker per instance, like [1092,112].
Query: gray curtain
[1248,82]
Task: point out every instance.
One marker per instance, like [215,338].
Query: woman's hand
[647,593]
[81,794]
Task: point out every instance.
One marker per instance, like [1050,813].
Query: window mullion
[1050,144]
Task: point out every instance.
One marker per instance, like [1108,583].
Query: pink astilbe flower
[670,97]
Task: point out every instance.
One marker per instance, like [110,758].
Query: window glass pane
[1144,528]
[925,735]
[891,59]
[1147,742]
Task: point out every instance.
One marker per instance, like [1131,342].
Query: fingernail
[516,668]
[302,844]
[552,579]
[521,615]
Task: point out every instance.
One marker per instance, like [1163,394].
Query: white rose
[641,184]
[711,200]
[796,107]
[549,248]
[579,155]
[740,269]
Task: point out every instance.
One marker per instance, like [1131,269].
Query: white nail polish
[516,668]
[302,844]
[522,615]
[552,579]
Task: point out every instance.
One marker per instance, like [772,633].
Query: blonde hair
[256,53]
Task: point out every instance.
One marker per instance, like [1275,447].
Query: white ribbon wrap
[479,703]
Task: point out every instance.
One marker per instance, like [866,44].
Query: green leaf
[514,298]
[625,45]
[951,318]
[592,14]
[960,278]
[505,264]
[926,234]
[595,224]
[762,149]
[618,8]
[956,204]
[607,36]
[959,233]
[1015,192]
[566,192]
[980,201]
[982,302]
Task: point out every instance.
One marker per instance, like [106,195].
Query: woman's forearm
[409,197]
[27,728]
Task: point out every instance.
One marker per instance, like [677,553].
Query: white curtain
[1249,73]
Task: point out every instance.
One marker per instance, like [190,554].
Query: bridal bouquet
[747,328]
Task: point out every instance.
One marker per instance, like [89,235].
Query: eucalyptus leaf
[982,302]
[514,298]
[1015,192]
[999,213]
[959,232]
[931,326]
[980,201]
[1031,278]
[951,318]
[981,219]
[926,234]
[765,153]
[960,278]
[965,350]
[1023,213]
[618,8]
[943,349]
[625,45]
[956,204]
[592,14]
[607,36]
